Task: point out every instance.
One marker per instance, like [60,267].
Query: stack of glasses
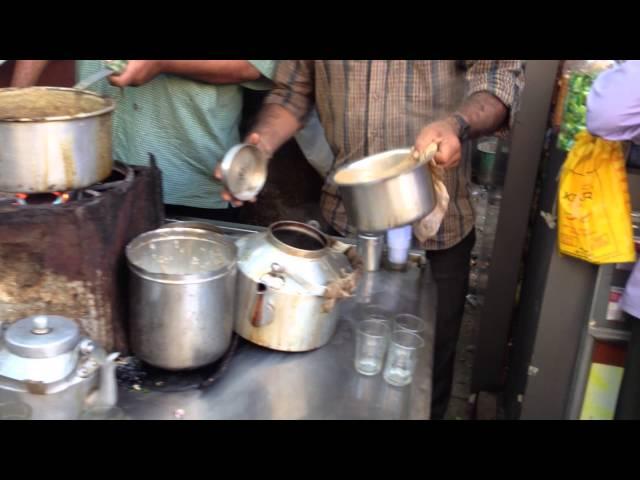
[400,340]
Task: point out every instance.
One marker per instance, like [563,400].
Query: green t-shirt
[187,125]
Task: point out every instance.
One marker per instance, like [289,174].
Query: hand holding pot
[445,134]
[136,73]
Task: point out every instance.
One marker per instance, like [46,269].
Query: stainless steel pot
[385,191]
[182,290]
[53,139]
[489,164]
[282,279]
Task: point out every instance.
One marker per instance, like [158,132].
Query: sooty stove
[63,253]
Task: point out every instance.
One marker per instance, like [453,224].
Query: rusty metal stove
[63,253]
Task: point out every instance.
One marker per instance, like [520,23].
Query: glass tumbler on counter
[374,312]
[15,411]
[409,323]
[402,358]
[372,337]
[103,413]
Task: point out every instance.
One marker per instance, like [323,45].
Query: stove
[63,253]
[136,375]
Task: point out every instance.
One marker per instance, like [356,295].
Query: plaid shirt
[370,106]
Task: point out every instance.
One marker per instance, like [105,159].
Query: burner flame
[55,198]
[21,199]
[120,173]
[62,197]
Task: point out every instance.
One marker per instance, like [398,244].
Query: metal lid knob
[40,325]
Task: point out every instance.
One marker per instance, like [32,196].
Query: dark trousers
[628,407]
[229,214]
[450,269]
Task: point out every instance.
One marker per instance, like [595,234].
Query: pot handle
[312,288]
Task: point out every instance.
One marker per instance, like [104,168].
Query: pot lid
[42,336]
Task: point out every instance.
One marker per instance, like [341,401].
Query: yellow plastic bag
[594,207]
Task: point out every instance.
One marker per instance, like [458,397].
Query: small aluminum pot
[379,196]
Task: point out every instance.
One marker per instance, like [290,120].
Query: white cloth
[428,226]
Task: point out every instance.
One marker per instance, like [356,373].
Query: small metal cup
[244,171]
[370,250]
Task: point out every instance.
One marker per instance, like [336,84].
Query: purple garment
[630,301]
[613,113]
[613,104]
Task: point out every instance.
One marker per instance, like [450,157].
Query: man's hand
[445,134]
[275,126]
[253,139]
[138,72]
[27,72]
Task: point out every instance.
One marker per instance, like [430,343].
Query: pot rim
[110,106]
[377,181]
[303,228]
[177,278]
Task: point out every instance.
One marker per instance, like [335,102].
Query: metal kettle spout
[107,393]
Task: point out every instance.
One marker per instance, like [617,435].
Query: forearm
[212,71]
[27,72]
[484,113]
[275,126]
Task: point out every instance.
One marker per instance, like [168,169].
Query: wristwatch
[463,127]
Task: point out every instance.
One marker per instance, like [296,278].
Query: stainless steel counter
[322,384]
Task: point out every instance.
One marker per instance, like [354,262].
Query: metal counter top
[264,384]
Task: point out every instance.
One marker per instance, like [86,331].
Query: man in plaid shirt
[371,106]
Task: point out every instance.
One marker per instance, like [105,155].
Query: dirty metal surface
[321,384]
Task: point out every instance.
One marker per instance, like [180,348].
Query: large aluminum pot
[182,290]
[385,191]
[282,279]
[53,139]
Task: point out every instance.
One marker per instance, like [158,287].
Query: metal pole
[527,143]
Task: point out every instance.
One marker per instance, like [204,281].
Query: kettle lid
[42,336]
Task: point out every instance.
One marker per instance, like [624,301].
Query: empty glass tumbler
[15,411]
[372,337]
[409,323]
[402,358]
